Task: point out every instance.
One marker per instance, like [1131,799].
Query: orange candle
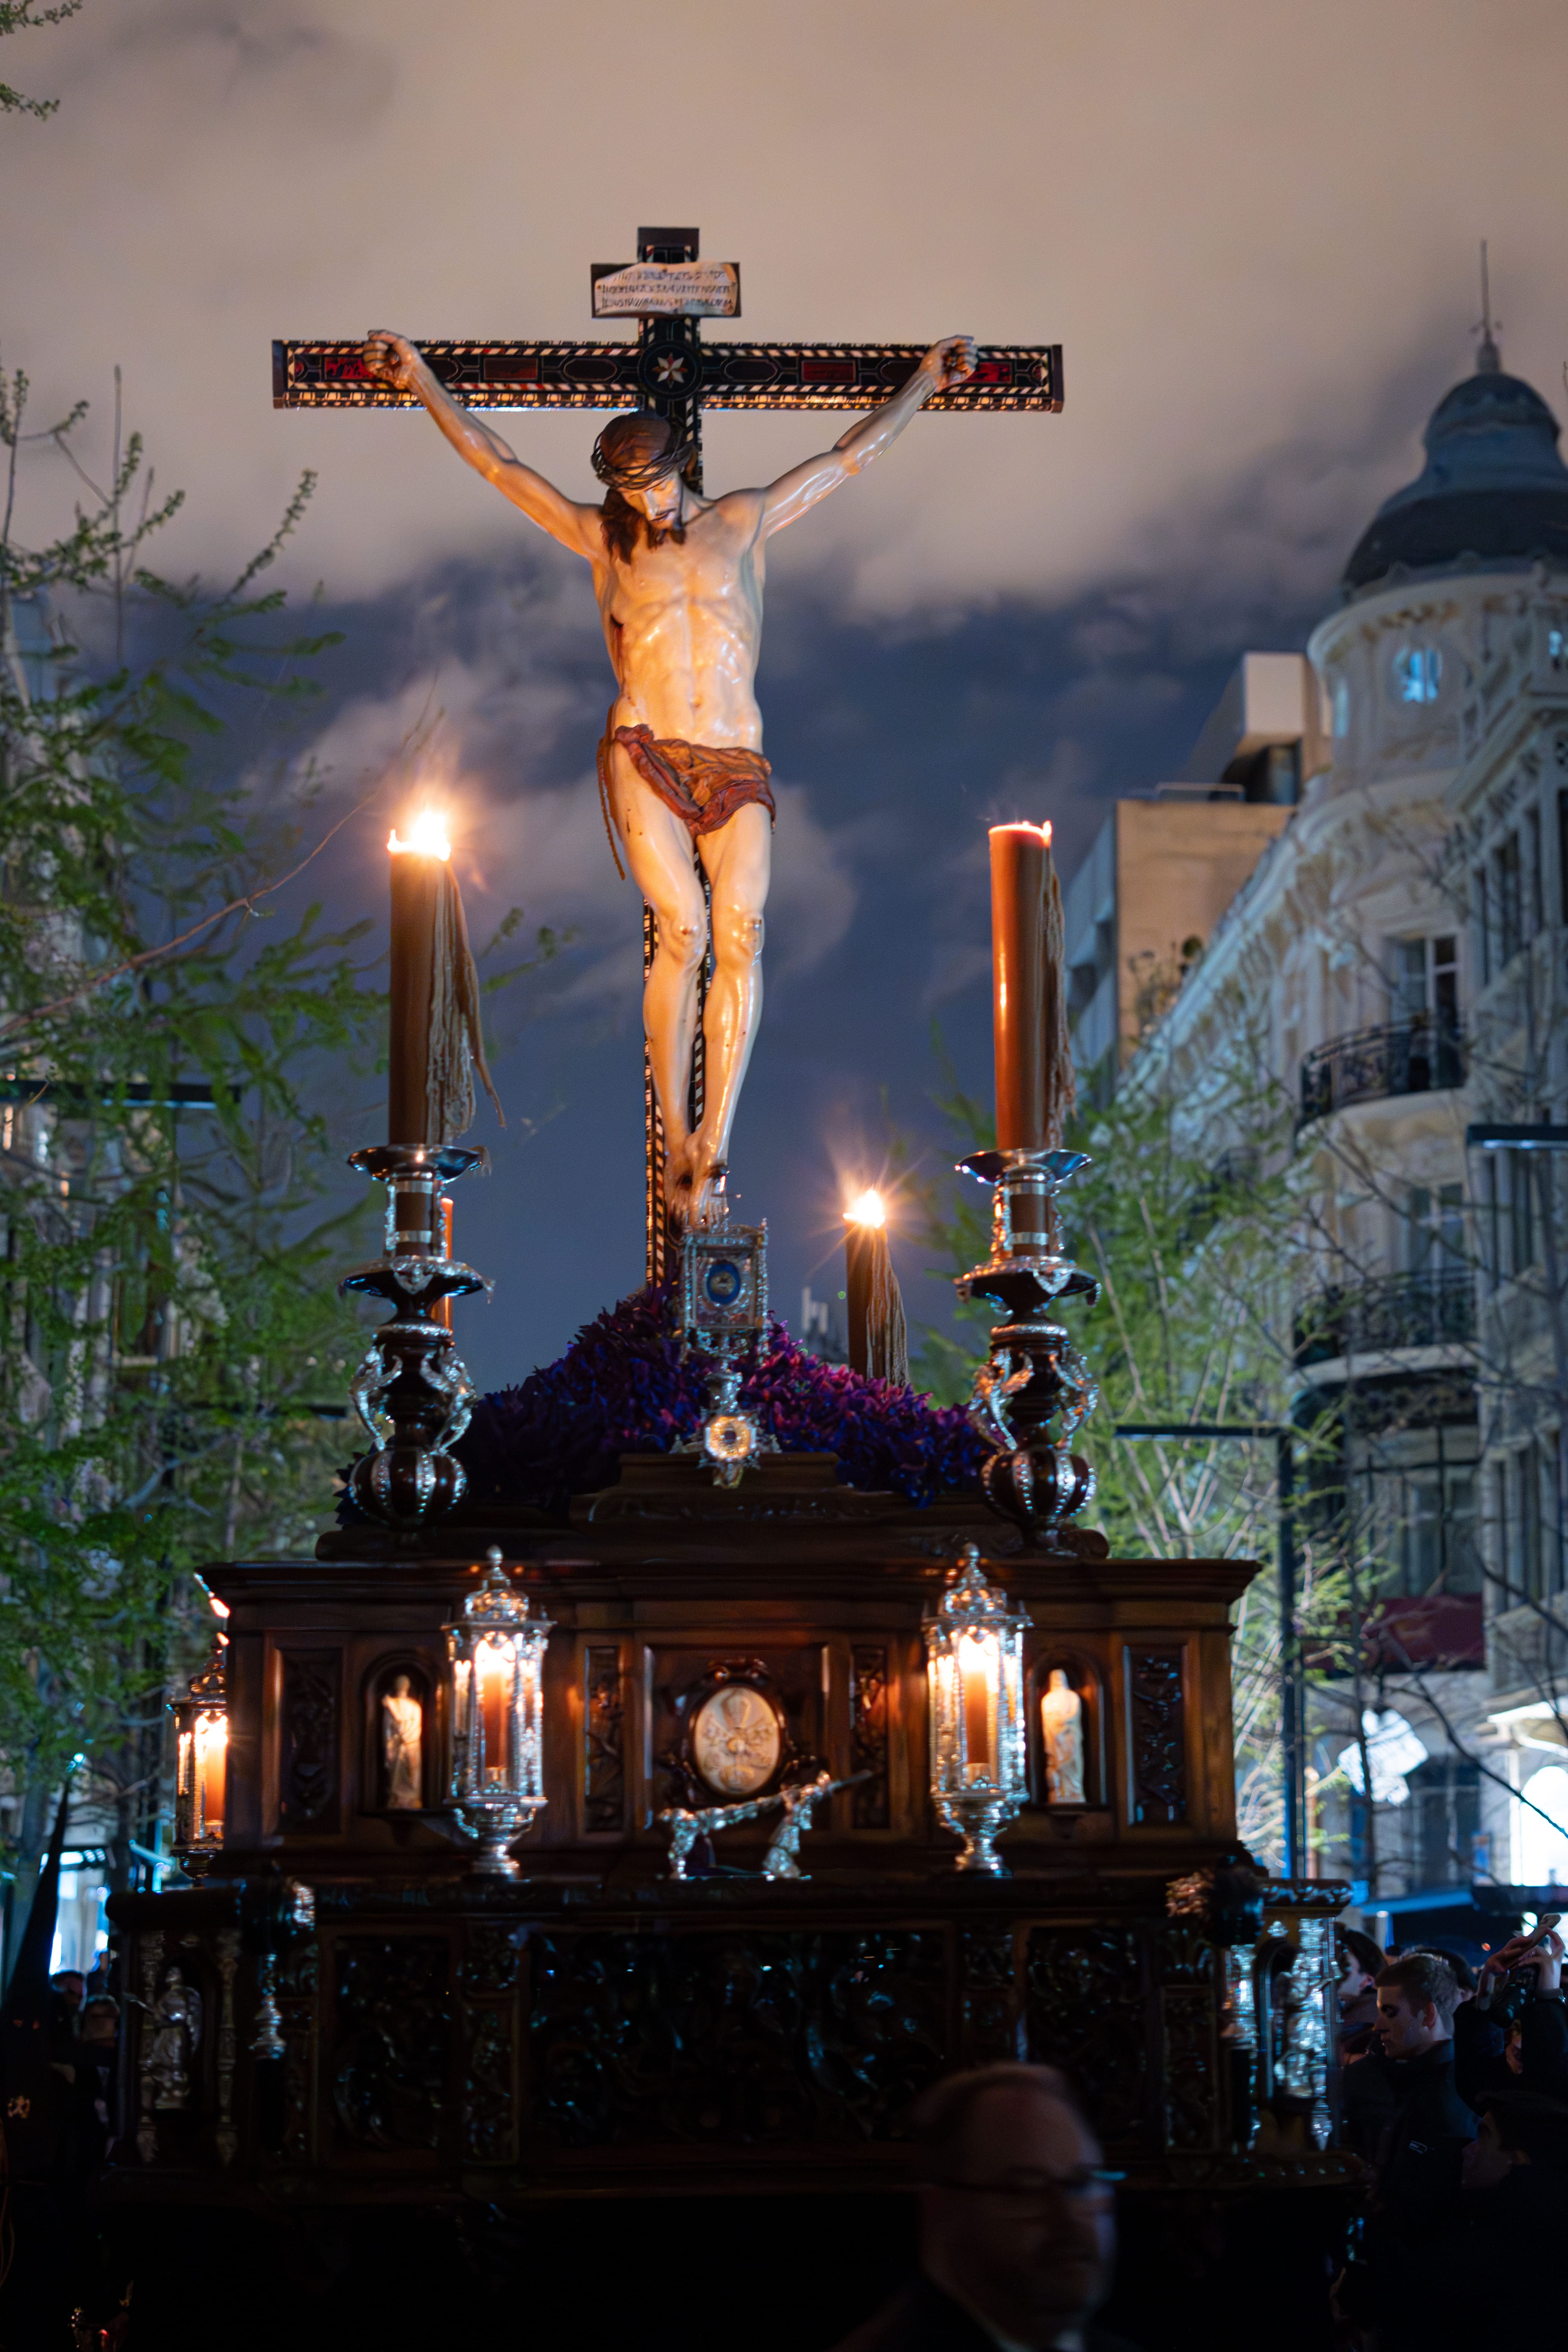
[975,1676]
[494,1679]
[212,1762]
[1033,1063]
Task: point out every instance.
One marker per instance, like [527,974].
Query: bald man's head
[1017,2218]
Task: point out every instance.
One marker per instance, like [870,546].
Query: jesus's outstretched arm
[394,360]
[945,364]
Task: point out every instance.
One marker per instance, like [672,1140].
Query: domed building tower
[1400,932]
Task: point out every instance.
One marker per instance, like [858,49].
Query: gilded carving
[1085,2013]
[869,1734]
[734,2040]
[603,1739]
[388,2071]
[308,1772]
[1157,1736]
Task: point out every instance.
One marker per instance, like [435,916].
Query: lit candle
[434,1045]
[1034,1061]
[878,1340]
[495,1690]
[976,1673]
[212,1760]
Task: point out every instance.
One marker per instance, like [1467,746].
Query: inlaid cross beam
[669,369]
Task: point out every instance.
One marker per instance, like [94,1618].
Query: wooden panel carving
[990,2011]
[869,1734]
[487,2104]
[1189,2003]
[1156,1736]
[734,2040]
[1085,2013]
[308,1764]
[603,1740]
[389,2066]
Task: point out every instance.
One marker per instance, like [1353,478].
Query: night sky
[1254,230]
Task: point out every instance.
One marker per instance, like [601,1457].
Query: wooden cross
[669,369]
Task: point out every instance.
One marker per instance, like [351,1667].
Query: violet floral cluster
[624,1386]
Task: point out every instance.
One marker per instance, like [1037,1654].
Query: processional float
[673,1834]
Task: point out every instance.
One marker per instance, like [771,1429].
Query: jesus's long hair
[634,442]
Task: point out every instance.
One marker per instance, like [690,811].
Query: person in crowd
[70,1986]
[1410,2127]
[1525,2046]
[1360,1960]
[1499,2278]
[1016,2222]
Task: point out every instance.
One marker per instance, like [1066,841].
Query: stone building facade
[1402,944]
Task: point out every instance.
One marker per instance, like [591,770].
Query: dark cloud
[1253,229]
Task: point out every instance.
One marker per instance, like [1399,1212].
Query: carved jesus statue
[679,582]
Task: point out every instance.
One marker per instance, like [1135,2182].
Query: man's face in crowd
[1404,2031]
[1028,2238]
[71,1987]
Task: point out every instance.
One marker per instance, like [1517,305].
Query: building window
[1444,1816]
[1479,917]
[1423,979]
[1542,1846]
[1434,1230]
[1417,674]
[1508,903]
[1537,877]
[1520,1183]
[1341,710]
[1563,857]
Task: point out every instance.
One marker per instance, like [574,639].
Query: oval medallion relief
[735,1742]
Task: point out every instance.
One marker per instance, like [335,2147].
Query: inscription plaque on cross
[670,371]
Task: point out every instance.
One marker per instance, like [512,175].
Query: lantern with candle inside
[201,1762]
[1035,1376]
[879,1339]
[412,1392]
[496,1654]
[975,1670]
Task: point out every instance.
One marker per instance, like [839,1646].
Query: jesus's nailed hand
[951,362]
[391,359]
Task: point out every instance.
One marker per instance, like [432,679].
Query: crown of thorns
[642,474]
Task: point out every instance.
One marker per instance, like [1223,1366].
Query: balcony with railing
[1429,1309]
[1404,1057]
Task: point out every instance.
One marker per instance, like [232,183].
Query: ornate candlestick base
[978,1815]
[1035,1375]
[411,1391]
[493,1825]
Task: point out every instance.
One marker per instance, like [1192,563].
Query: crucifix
[678,577]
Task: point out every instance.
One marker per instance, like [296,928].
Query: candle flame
[869,1210]
[428,839]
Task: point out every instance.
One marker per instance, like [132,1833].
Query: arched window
[1543,1844]
[1341,708]
[1417,674]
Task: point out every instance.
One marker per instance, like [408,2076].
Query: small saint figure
[679,579]
[401,1737]
[175,2039]
[1061,1724]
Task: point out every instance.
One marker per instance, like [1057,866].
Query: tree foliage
[166,1285]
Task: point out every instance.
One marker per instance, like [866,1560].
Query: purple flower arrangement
[623,1386]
